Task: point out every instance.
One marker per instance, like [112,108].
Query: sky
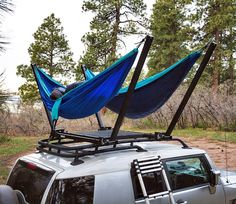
[27,16]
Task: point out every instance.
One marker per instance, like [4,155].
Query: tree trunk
[115,31]
[216,65]
[231,74]
[231,65]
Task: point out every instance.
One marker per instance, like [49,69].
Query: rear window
[30,179]
[72,191]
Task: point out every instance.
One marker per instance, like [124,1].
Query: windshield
[30,179]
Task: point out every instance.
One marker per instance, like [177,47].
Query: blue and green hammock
[89,97]
[105,89]
[151,93]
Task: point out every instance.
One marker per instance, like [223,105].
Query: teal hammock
[151,93]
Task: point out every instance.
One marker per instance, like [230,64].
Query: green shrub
[4,139]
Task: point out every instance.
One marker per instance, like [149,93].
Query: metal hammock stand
[72,145]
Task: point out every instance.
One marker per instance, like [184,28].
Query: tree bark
[216,66]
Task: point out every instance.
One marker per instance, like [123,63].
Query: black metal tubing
[83,67]
[84,138]
[77,155]
[46,110]
[192,86]
[59,146]
[164,137]
[98,116]
[132,85]
[101,140]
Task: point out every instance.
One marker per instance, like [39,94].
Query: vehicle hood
[228,177]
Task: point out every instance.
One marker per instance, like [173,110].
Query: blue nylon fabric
[151,93]
[89,97]
[46,85]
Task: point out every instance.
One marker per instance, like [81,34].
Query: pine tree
[171,32]
[5,6]
[113,20]
[51,51]
[217,20]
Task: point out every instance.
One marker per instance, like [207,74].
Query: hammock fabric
[151,93]
[89,97]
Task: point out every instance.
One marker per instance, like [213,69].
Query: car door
[188,178]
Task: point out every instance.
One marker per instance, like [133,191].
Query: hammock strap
[55,109]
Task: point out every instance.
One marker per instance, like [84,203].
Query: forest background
[178,28]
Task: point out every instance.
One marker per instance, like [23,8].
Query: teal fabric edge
[150,79]
[56,105]
[40,81]
[89,74]
[132,52]
[55,109]
[46,75]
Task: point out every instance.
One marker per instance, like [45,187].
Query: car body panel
[117,182]
[110,161]
[113,182]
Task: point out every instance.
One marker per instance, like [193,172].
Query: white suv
[135,169]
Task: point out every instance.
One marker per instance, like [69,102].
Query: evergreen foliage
[5,6]
[217,19]
[113,20]
[51,51]
[171,31]
[181,24]
[4,95]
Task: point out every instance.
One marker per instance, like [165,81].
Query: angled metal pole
[192,86]
[46,110]
[132,85]
[98,115]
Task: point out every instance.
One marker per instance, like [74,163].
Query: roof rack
[75,146]
[71,145]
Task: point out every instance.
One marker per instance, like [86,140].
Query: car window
[30,179]
[154,183]
[187,172]
[74,191]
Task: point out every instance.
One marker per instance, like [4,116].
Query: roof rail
[75,146]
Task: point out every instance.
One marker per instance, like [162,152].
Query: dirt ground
[217,151]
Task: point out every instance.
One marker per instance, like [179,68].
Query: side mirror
[214,177]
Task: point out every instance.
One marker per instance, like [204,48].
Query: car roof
[110,161]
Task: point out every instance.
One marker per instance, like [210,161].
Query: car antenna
[226,156]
